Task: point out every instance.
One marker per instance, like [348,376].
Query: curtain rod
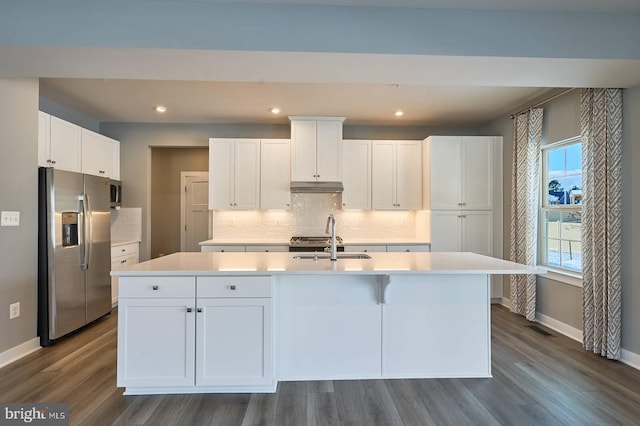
[557,95]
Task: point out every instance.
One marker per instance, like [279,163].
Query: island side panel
[437,326]
[327,327]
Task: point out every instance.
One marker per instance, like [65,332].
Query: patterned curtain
[524,208]
[601,122]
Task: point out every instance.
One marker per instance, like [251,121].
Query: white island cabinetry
[175,342]
[241,322]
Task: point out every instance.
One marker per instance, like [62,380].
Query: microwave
[116,193]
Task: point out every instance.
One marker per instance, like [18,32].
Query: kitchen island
[241,322]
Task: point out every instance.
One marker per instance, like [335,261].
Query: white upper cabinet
[100,155]
[356,174]
[396,175]
[234,173]
[59,143]
[461,172]
[275,178]
[66,146]
[316,149]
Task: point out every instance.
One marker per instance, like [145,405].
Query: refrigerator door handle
[86,232]
[83,233]
[89,235]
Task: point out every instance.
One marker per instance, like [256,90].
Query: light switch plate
[10,219]
[14,310]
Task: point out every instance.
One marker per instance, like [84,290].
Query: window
[561,217]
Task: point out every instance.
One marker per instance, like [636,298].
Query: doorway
[194,208]
[167,165]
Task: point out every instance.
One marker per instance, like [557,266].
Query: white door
[408,175]
[383,175]
[445,172]
[275,179]
[356,174]
[221,163]
[477,232]
[234,341]
[477,172]
[156,342]
[329,151]
[66,145]
[446,230]
[303,150]
[247,174]
[44,139]
[195,208]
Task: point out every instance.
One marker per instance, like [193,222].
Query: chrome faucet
[331,223]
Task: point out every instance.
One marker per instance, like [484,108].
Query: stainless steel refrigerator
[74,252]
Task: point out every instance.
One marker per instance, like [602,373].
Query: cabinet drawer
[124,250]
[223,248]
[123,262]
[365,248]
[274,248]
[144,287]
[234,287]
[409,248]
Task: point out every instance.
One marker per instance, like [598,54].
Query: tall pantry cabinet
[463,191]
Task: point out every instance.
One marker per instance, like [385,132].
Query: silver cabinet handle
[125,261]
[199,310]
[155,287]
[232,287]
[189,309]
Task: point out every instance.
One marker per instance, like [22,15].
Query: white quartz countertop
[208,264]
[283,241]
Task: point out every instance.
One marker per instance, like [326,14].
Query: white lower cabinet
[219,341]
[462,230]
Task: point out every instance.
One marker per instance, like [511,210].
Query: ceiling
[241,86]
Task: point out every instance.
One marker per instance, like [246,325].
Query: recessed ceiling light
[398,113]
[275,110]
[160,108]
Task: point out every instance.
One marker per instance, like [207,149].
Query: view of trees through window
[561,212]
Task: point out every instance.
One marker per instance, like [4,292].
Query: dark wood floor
[537,380]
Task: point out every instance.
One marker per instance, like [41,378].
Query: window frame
[565,275]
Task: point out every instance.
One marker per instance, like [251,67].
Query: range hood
[316,187]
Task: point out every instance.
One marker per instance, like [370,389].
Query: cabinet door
[477,232]
[99,154]
[477,173]
[329,151]
[356,174]
[383,175]
[275,177]
[267,248]
[446,230]
[221,173]
[156,342]
[234,344]
[408,248]
[44,139]
[247,174]
[66,145]
[445,156]
[408,175]
[365,248]
[303,150]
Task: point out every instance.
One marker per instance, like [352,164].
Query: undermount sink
[319,256]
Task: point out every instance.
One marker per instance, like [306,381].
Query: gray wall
[136,141]
[18,192]
[61,111]
[561,301]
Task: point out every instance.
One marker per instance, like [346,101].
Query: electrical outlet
[14,310]
[10,219]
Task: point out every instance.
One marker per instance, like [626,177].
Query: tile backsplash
[308,216]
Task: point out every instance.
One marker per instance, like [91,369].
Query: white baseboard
[506,302]
[632,359]
[560,327]
[17,352]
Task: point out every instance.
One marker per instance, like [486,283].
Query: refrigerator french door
[74,286]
